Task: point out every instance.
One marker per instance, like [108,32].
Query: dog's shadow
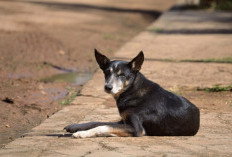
[59,135]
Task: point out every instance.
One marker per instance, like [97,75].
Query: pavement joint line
[87,6]
[91,96]
[177,61]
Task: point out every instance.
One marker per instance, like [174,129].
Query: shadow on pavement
[197,31]
[59,135]
[76,6]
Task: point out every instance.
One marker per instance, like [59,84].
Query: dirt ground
[38,40]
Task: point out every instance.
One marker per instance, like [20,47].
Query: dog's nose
[108,88]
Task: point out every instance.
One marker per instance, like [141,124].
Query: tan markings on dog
[119,72]
[121,132]
[142,133]
[117,94]
[111,69]
[126,83]
[133,65]
[142,92]
[124,115]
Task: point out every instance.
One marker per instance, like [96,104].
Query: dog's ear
[137,62]
[102,60]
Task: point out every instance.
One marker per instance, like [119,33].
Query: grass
[210,60]
[70,97]
[157,29]
[217,88]
[224,6]
[176,91]
[109,36]
[40,66]
[216,4]
[168,60]
[110,50]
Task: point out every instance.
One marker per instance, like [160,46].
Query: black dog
[145,107]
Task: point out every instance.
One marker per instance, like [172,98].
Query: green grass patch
[210,60]
[176,91]
[217,88]
[156,29]
[230,104]
[40,66]
[216,4]
[227,5]
[168,60]
[110,36]
[70,97]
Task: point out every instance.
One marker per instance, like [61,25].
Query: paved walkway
[177,35]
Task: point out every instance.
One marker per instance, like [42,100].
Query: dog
[144,106]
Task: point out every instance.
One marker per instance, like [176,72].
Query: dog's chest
[126,106]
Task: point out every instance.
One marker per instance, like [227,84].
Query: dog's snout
[108,88]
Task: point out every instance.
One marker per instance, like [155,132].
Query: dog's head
[119,75]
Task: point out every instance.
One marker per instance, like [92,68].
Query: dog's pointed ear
[137,62]
[102,60]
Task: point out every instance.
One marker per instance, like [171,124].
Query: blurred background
[46,50]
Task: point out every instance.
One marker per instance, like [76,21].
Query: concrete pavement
[177,35]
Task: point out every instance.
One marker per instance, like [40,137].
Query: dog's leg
[136,124]
[133,120]
[86,126]
[118,130]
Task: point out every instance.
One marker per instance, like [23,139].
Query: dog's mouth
[113,89]
[108,91]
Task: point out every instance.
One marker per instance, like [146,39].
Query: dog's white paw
[81,134]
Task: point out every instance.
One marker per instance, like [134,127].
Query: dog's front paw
[74,128]
[81,134]
[80,127]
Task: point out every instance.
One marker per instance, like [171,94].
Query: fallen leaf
[43,92]
[61,52]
